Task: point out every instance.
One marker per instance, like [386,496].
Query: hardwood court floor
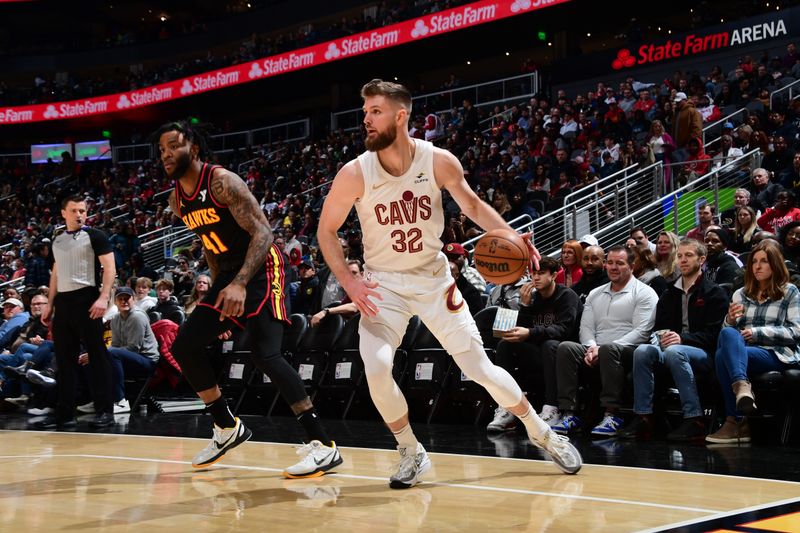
[117,482]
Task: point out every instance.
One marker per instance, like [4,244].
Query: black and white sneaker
[410,468]
[222,441]
[316,460]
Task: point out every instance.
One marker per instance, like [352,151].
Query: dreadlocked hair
[196,134]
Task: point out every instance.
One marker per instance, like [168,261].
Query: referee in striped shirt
[80,300]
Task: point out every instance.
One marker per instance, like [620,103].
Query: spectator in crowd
[571,264]
[548,315]
[727,154]
[167,305]
[183,277]
[784,211]
[741,197]
[743,231]
[644,268]
[660,146]
[142,299]
[705,218]
[15,317]
[720,267]
[134,350]
[594,273]
[688,124]
[780,158]
[457,254]
[688,319]
[199,291]
[789,239]
[763,192]
[697,162]
[28,339]
[761,332]
[639,235]
[790,177]
[616,318]
[305,291]
[347,308]
[37,271]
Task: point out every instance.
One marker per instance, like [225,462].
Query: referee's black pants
[71,326]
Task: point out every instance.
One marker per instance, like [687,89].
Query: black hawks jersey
[213,222]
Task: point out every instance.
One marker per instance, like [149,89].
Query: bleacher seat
[313,351]
[344,371]
[428,364]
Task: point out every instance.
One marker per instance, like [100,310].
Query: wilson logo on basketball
[492,266]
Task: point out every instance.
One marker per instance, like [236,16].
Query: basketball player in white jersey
[396,189]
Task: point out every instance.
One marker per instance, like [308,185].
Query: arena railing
[443,102]
[715,128]
[525,223]
[291,131]
[159,244]
[791,88]
[676,211]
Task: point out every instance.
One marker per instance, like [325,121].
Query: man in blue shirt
[15,317]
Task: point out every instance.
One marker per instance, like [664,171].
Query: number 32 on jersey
[407,241]
[213,243]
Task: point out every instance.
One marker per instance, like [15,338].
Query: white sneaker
[410,468]
[316,460]
[86,408]
[561,451]
[19,401]
[222,441]
[503,421]
[550,415]
[122,406]
[34,411]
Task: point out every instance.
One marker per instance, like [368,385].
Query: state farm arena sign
[779,24]
[405,32]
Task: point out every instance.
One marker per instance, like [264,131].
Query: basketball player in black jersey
[247,292]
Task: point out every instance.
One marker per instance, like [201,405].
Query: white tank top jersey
[401,216]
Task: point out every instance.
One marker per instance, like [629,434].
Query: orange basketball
[501,256]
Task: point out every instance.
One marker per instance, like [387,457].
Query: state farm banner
[777,24]
[458,18]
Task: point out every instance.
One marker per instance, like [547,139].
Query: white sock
[537,428]
[406,439]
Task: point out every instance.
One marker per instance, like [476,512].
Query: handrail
[685,188]
[602,183]
[723,120]
[784,88]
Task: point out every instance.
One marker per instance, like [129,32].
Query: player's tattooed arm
[231,190]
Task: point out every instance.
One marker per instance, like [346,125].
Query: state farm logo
[255,71]
[51,112]
[123,102]
[624,59]
[332,52]
[186,88]
[520,5]
[420,29]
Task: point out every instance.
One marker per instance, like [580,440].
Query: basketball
[501,256]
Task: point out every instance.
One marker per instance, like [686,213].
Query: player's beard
[382,140]
[182,163]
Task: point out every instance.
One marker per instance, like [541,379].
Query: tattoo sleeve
[232,190]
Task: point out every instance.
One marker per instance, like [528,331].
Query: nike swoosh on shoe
[323,459]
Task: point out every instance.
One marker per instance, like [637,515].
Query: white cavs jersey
[401,216]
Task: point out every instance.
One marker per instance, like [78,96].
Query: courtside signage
[779,24]
[405,32]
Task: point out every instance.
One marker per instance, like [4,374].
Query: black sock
[220,413]
[314,430]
